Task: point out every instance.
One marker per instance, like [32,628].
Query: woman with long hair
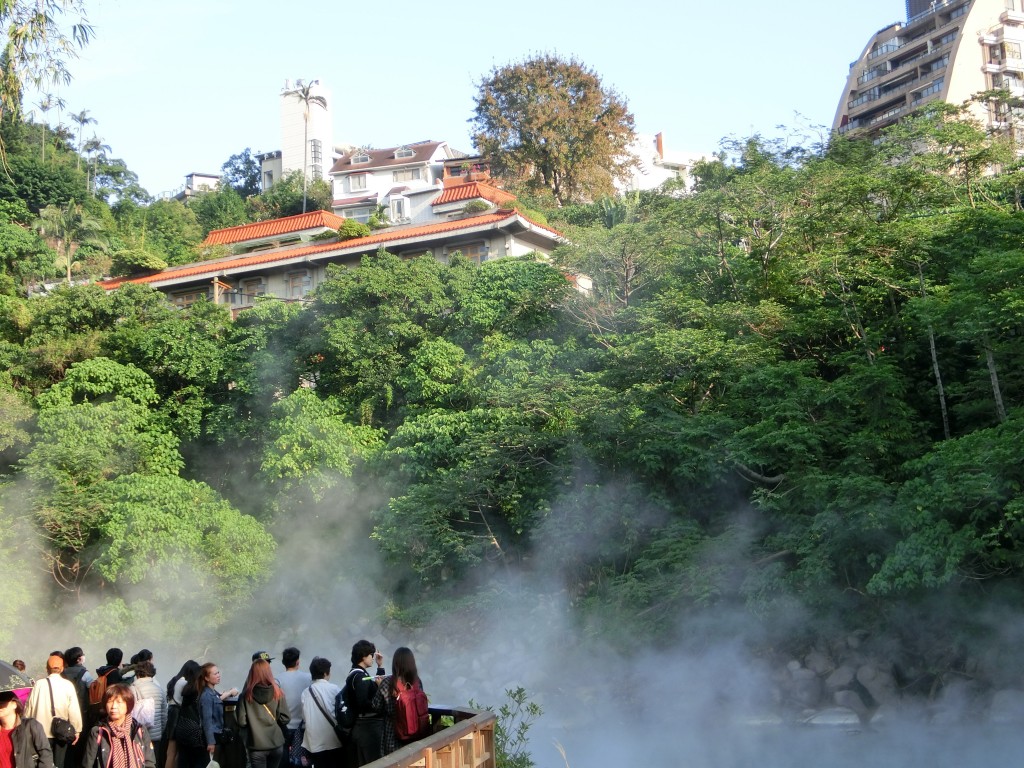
[167,749]
[118,741]
[261,712]
[403,677]
[201,697]
[23,742]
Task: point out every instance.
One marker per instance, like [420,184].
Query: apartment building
[946,50]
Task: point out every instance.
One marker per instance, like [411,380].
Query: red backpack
[412,720]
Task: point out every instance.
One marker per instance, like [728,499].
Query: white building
[302,145]
[656,165]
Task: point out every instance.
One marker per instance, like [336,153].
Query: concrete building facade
[946,50]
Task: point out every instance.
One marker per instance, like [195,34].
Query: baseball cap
[262,656]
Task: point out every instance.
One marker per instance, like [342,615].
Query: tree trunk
[990,361]
[935,363]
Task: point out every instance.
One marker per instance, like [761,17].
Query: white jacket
[320,736]
[65,703]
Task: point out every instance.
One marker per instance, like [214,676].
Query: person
[80,677]
[369,725]
[112,669]
[151,700]
[293,682]
[403,668]
[203,692]
[23,742]
[53,696]
[18,664]
[320,739]
[167,748]
[117,740]
[261,712]
[176,685]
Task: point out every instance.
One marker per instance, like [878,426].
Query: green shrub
[351,229]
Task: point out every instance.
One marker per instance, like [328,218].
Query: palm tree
[67,227]
[83,119]
[304,93]
[96,149]
[45,104]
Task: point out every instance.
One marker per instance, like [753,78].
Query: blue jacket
[211,712]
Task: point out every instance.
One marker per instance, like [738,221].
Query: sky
[180,87]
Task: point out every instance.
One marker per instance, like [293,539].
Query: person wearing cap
[23,742]
[262,656]
[51,697]
[293,682]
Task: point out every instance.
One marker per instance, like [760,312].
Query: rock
[820,663]
[879,683]
[1007,707]
[841,678]
[832,717]
[805,687]
[852,701]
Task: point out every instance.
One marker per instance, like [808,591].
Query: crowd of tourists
[122,717]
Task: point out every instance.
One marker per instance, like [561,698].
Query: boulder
[842,677]
[878,682]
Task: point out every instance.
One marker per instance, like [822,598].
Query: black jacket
[97,748]
[31,747]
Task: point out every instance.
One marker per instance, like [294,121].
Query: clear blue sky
[179,87]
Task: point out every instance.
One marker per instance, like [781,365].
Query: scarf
[122,749]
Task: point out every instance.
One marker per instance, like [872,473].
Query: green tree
[552,124]
[303,93]
[219,208]
[242,173]
[81,119]
[69,227]
[288,197]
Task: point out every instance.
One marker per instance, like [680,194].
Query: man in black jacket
[361,687]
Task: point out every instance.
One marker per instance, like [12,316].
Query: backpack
[344,707]
[97,688]
[412,719]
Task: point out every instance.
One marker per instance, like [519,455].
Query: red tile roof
[219,266]
[261,229]
[353,200]
[472,191]
[382,158]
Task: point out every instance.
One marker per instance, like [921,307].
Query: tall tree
[69,226]
[45,104]
[82,119]
[242,173]
[552,124]
[308,99]
[38,42]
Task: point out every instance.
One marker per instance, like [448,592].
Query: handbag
[188,730]
[62,730]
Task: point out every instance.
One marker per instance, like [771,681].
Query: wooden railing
[469,743]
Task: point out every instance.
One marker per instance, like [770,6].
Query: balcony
[1011,17]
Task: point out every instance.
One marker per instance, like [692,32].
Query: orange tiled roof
[219,266]
[472,191]
[260,229]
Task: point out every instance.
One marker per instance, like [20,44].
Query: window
[299,284]
[362,215]
[357,182]
[404,152]
[251,289]
[398,209]
[1012,50]
[475,252]
[268,180]
[362,157]
[188,298]
[407,174]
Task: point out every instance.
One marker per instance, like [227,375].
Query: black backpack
[344,703]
